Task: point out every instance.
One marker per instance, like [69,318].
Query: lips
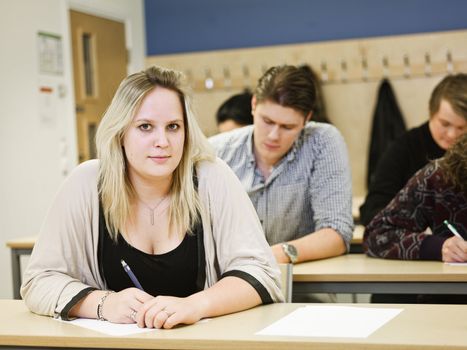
[159,159]
[271,147]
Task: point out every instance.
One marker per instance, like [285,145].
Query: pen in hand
[131,275]
[453,229]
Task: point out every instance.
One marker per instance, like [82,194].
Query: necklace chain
[152,210]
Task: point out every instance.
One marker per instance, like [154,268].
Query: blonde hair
[115,188]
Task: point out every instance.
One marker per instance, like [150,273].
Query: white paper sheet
[115,329]
[456,263]
[109,327]
[331,321]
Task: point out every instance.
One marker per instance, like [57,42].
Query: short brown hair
[453,89]
[288,86]
[454,164]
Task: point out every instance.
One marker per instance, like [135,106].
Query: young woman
[433,198]
[436,193]
[158,201]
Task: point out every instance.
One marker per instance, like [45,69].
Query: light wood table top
[357,273]
[359,267]
[19,247]
[347,267]
[28,242]
[22,243]
[417,327]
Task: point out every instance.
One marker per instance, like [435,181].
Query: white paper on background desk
[456,263]
[331,321]
[109,327]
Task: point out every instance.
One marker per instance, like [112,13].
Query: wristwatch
[291,252]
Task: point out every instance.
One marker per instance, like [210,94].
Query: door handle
[79,109]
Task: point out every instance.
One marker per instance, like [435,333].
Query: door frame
[76,5]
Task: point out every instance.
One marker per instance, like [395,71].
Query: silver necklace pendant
[153,210]
[152,217]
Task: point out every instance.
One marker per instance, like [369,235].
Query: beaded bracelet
[100,317]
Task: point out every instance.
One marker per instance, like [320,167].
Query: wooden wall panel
[351,71]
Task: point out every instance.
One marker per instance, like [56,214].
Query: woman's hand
[454,249]
[167,312]
[230,294]
[122,307]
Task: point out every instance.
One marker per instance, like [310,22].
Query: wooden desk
[20,246]
[357,273]
[417,327]
[23,246]
[354,273]
[357,239]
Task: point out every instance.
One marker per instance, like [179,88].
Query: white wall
[36,153]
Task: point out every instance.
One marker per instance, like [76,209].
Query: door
[99,65]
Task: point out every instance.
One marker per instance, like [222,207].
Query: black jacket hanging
[388,124]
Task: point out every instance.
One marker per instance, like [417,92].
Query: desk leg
[16,273]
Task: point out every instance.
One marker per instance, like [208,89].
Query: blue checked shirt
[309,189]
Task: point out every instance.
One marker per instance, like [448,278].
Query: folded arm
[321,244]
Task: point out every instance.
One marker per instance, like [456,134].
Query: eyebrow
[447,121]
[151,120]
[287,125]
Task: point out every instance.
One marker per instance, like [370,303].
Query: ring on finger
[133,315]
[167,313]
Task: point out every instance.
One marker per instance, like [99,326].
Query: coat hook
[227,79]
[406,66]
[344,71]
[385,67]
[208,81]
[449,63]
[324,72]
[364,68]
[428,69]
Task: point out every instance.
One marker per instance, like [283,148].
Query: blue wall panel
[174,26]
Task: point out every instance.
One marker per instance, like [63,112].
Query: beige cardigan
[64,260]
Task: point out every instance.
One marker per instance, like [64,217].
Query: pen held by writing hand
[453,229]
[130,274]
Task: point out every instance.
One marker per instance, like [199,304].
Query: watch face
[290,251]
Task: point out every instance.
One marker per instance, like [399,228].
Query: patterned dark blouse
[399,231]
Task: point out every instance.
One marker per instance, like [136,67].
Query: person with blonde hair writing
[156,202]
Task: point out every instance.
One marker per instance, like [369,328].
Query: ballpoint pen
[131,275]
[452,229]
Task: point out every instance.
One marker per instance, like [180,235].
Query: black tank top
[173,273]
